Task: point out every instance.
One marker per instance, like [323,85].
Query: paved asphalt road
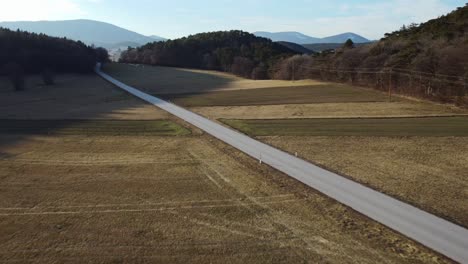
[438,234]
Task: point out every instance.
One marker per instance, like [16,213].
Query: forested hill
[33,53]
[238,52]
[439,46]
[427,60]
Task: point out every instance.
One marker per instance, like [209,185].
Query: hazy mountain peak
[89,31]
[299,38]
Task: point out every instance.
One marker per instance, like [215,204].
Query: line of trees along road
[238,52]
[29,53]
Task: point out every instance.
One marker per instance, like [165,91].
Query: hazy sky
[176,18]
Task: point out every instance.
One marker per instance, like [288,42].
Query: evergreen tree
[349,44]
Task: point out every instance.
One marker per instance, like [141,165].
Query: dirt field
[73,195]
[429,172]
[172,199]
[167,80]
[372,127]
[330,110]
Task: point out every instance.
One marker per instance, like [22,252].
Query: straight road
[436,233]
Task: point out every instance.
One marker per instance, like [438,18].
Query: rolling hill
[234,51]
[342,38]
[319,47]
[294,37]
[300,38]
[88,31]
[296,47]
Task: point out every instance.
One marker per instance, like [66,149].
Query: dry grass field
[119,181]
[168,80]
[429,172]
[122,189]
[236,97]
[423,161]
[413,172]
[92,127]
[323,93]
[73,97]
[330,110]
[419,160]
[172,199]
[371,127]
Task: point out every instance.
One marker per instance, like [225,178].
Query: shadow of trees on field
[75,99]
[166,80]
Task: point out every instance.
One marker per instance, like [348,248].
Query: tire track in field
[91,209]
[253,205]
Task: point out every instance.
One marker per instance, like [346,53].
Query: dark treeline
[35,53]
[429,60]
[23,53]
[238,52]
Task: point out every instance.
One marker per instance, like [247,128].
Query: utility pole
[390,85]
[463,93]
[420,84]
[293,71]
[411,81]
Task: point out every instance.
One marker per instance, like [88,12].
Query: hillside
[319,47]
[231,51]
[428,60]
[296,47]
[157,38]
[300,38]
[294,37]
[88,31]
[342,38]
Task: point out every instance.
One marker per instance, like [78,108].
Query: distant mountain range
[88,31]
[115,38]
[299,38]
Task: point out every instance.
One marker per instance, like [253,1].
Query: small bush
[260,72]
[48,77]
[16,75]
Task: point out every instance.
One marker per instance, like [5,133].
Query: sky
[177,18]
